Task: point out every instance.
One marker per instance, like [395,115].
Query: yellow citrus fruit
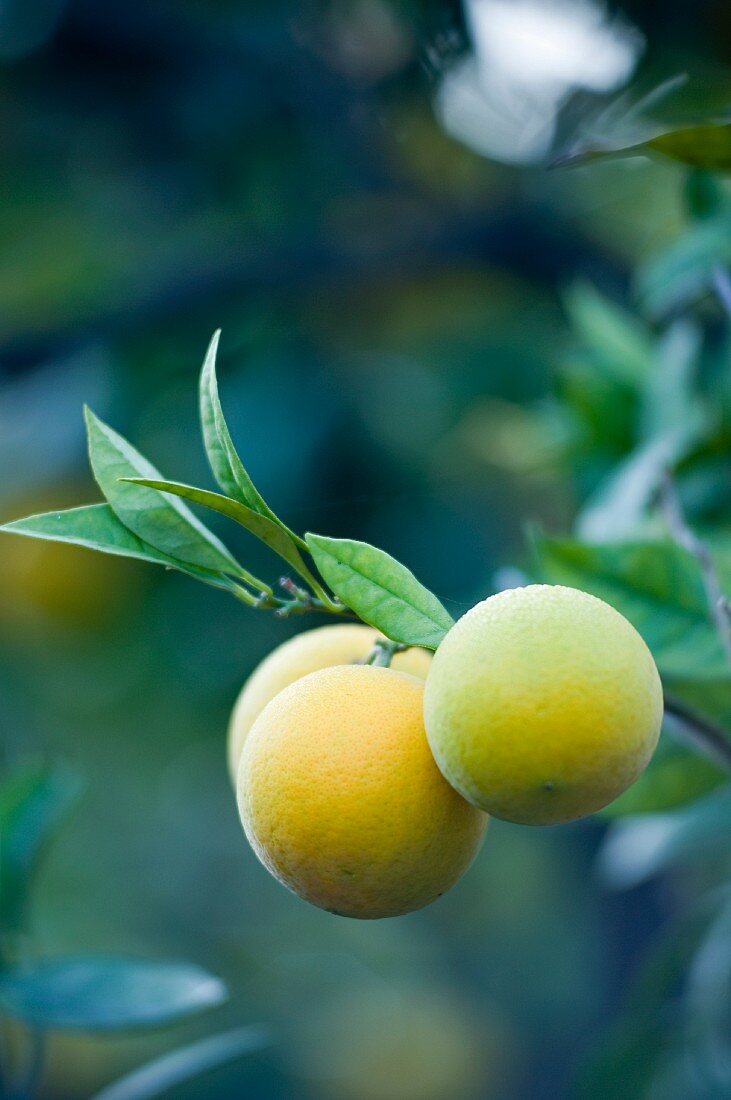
[542,704]
[342,644]
[342,801]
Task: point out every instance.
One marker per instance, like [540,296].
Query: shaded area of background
[391,306]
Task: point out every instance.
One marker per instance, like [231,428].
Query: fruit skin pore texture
[341,798]
[542,705]
[339,644]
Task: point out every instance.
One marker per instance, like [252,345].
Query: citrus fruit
[341,798]
[542,704]
[341,644]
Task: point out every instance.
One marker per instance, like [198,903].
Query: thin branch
[698,732]
[383,652]
[684,537]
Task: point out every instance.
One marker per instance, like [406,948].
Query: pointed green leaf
[33,804]
[180,1066]
[384,593]
[96,527]
[275,537]
[106,993]
[227,467]
[705,145]
[163,522]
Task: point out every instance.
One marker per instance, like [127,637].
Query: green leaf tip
[381,591]
[226,466]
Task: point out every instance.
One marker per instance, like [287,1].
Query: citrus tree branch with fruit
[542,704]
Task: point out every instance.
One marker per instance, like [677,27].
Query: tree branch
[686,538]
[698,732]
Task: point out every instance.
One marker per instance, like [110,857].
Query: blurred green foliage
[423,349]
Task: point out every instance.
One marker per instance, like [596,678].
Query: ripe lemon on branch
[341,798]
[543,704]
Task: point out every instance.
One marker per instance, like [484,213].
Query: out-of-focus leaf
[161,521]
[384,593]
[107,993]
[276,537]
[96,527]
[181,1066]
[641,847]
[33,804]
[618,340]
[671,421]
[227,467]
[684,271]
[675,775]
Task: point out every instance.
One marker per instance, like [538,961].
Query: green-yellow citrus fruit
[341,798]
[342,644]
[542,704]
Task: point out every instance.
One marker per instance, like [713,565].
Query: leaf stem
[685,537]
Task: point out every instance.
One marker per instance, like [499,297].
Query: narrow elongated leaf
[228,469]
[622,345]
[704,145]
[181,1066]
[384,593]
[271,533]
[33,804]
[107,993]
[162,522]
[638,848]
[96,527]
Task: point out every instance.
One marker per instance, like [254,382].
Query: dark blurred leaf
[33,804]
[161,521]
[625,1065]
[96,527]
[180,1066]
[641,847]
[675,775]
[684,271]
[384,593]
[98,993]
[227,467]
[276,537]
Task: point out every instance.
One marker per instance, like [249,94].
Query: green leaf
[106,993]
[276,537]
[96,527]
[384,593]
[162,522]
[675,776]
[227,467]
[180,1066]
[639,848]
[621,344]
[33,805]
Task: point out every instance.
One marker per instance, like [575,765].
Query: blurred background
[356,192]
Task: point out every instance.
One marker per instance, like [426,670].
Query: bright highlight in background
[528,57]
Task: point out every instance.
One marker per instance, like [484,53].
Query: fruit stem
[383,653]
